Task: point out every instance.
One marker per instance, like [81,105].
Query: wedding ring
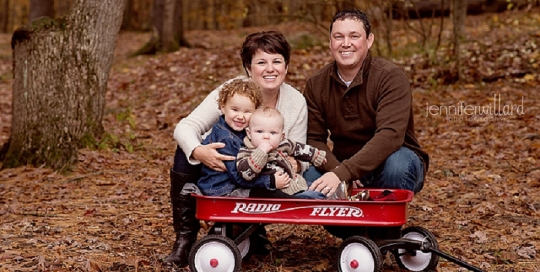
[327,188]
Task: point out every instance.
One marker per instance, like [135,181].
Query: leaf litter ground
[112,213]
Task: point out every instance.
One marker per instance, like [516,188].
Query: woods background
[387,16]
[228,14]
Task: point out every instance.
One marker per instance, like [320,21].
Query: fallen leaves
[481,197]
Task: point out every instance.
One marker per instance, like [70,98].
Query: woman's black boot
[185,224]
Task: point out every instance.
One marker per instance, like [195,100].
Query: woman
[265,58]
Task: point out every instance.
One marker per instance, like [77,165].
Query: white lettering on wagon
[255,207]
[342,211]
[319,211]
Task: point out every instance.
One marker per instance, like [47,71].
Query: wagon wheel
[359,254]
[417,260]
[215,253]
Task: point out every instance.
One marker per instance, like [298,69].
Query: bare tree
[61,68]
[168,42]
[4,18]
[127,21]
[423,22]
[168,28]
[459,14]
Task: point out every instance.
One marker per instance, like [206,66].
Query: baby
[265,152]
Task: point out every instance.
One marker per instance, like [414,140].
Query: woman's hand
[209,156]
[326,184]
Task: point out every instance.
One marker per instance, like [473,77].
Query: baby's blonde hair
[244,87]
[267,112]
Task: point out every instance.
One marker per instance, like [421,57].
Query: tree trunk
[60,70]
[168,25]
[158,13]
[459,14]
[168,43]
[137,15]
[172,35]
[127,20]
[4,15]
[39,8]
[178,23]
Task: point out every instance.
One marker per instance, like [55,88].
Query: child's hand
[266,147]
[282,180]
[295,164]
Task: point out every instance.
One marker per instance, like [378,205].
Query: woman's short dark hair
[271,42]
[352,14]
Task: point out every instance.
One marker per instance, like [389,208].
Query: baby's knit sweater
[252,161]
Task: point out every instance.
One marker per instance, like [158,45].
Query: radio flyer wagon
[222,249]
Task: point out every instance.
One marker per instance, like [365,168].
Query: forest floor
[481,199]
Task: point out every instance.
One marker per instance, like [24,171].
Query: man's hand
[209,156]
[326,184]
[357,184]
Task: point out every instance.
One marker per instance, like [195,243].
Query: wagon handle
[424,246]
[454,260]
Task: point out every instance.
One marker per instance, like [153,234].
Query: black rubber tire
[357,251]
[418,260]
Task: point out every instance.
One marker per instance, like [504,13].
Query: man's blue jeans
[403,169]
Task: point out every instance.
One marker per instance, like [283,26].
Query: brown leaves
[481,197]
[90,212]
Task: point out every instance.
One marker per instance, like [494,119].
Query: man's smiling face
[349,43]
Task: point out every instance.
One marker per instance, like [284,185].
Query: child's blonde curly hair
[244,87]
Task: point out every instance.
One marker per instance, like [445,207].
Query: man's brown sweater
[367,121]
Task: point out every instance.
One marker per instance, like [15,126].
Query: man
[365,104]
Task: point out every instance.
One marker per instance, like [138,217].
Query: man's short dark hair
[354,14]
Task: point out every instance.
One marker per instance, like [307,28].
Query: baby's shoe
[340,193]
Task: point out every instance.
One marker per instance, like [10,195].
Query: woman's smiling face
[268,70]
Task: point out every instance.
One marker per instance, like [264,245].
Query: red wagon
[415,249]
